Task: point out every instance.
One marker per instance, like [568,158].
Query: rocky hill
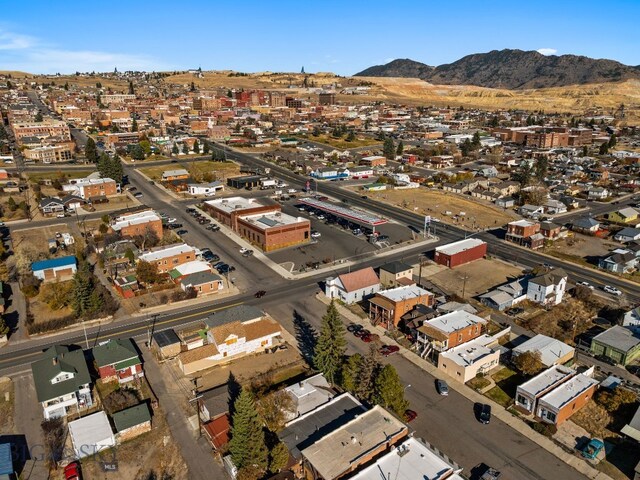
[511,69]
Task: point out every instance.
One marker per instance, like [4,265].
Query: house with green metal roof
[118,360]
[62,381]
[131,422]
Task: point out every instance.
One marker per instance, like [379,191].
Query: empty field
[204,171]
[437,203]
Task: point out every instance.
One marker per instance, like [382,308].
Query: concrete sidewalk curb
[473,396]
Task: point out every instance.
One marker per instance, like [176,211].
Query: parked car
[442,388]
[315,234]
[218,264]
[244,250]
[138,194]
[174,226]
[387,350]
[484,414]
[612,290]
[248,253]
[592,449]
[410,415]
[72,471]
[491,474]
[370,337]
[585,284]
[172,220]
[182,232]
[353,327]
[360,332]
[260,294]
[210,257]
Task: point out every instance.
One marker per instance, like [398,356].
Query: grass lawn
[358,310]
[499,396]
[507,381]
[341,142]
[478,383]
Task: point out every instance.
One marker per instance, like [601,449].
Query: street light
[408,386]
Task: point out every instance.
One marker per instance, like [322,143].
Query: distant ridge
[511,69]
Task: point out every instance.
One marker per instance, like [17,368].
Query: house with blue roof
[55,269]
[7,471]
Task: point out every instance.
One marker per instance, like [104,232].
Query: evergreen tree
[103,164]
[3,132]
[475,141]
[90,151]
[389,149]
[247,445]
[367,374]
[400,148]
[175,150]
[585,151]
[98,85]
[388,390]
[11,203]
[205,148]
[131,89]
[193,87]
[542,167]
[604,148]
[327,356]
[350,371]
[612,140]
[99,101]
[524,174]
[185,148]
[134,125]
[83,298]
[494,121]
[466,147]
[351,136]
[278,457]
[196,147]
[66,86]
[137,152]
[116,171]
[38,117]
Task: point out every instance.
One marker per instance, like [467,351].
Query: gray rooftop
[620,338]
[165,338]
[307,429]
[239,313]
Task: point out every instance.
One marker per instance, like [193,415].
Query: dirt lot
[477,214]
[6,405]
[341,142]
[155,451]
[198,170]
[481,275]
[586,245]
[61,174]
[116,202]
[5,213]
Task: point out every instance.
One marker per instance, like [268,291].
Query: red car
[409,416]
[362,332]
[387,350]
[72,471]
[370,337]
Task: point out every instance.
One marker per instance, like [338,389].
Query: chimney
[54,360]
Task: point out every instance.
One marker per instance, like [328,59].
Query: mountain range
[510,69]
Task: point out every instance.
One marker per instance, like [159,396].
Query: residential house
[554,207]
[460,252]
[598,193]
[626,215]
[354,286]
[524,233]
[531,211]
[632,318]
[204,282]
[177,174]
[551,231]
[62,381]
[552,351]
[548,288]
[627,234]
[505,202]
[51,205]
[471,358]
[586,225]
[488,172]
[620,344]
[528,393]
[228,338]
[559,404]
[448,331]
[167,343]
[353,444]
[169,257]
[55,269]
[309,394]
[619,261]
[118,360]
[395,274]
[90,188]
[138,223]
[507,295]
[412,456]
[387,307]
[206,189]
[131,422]
[91,434]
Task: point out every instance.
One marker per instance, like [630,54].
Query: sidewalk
[329,268]
[473,396]
[194,448]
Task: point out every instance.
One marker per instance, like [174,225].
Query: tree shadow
[306,336]
[234,388]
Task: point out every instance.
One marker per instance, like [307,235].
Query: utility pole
[196,399]
[86,339]
[464,284]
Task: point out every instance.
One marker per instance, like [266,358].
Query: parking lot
[335,241]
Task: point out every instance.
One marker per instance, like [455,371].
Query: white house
[469,359]
[531,211]
[548,288]
[231,333]
[632,318]
[206,189]
[62,381]
[598,193]
[353,287]
[91,434]
[554,207]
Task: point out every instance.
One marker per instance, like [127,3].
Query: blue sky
[41,36]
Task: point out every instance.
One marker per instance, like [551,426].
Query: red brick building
[137,223]
[461,252]
[118,359]
[448,331]
[168,258]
